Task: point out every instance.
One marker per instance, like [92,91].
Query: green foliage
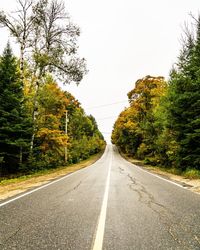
[83,137]
[162,124]
[14,125]
[32,106]
[192,173]
[54,42]
[184,112]
[126,134]
[134,131]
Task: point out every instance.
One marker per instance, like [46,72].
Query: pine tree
[12,124]
[184,111]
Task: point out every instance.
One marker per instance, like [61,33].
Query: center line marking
[98,243]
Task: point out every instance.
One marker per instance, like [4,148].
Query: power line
[108,117]
[105,105]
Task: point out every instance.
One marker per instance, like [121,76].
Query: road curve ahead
[109,205]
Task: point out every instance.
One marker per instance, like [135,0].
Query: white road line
[159,177]
[155,175]
[98,243]
[46,185]
[34,190]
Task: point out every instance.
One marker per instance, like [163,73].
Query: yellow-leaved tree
[134,131]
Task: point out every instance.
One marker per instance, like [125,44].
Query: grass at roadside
[188,173]
[192,174]
[10,187]
[189,178]
[56,171]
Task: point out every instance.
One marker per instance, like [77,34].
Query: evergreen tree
[184,108]
[11,118]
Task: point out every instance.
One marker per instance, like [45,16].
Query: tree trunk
[20,155]
[34,114]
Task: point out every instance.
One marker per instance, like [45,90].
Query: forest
[41,125]
[162,124]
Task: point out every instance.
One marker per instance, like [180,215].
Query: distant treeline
[162,123]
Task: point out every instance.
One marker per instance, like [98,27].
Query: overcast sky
[122,41]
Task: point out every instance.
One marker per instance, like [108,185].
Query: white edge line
[36,189]
[46,185]
[98,243]
[155,175]
[159,177]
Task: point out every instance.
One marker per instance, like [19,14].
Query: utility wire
[105,118]
[105,105]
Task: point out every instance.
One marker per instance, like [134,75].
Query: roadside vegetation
[42,126]
[47,174]
[12,186]
[161,126]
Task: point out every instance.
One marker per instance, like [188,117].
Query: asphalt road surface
[109,205]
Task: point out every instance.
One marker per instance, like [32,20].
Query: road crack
[5,241]
[164,214]
[71,190]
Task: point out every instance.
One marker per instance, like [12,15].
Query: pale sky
[122,41]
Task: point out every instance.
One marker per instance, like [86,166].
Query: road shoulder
[191,184]
[17,186]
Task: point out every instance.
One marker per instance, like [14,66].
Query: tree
[14,130]
[126,134]
[20,25]
[46,29]
[54,43]
[184,97]
[83,138]
[134,130]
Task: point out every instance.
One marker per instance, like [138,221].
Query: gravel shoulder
[16,186]
[191,184]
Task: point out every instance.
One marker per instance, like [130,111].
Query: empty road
[109,205]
